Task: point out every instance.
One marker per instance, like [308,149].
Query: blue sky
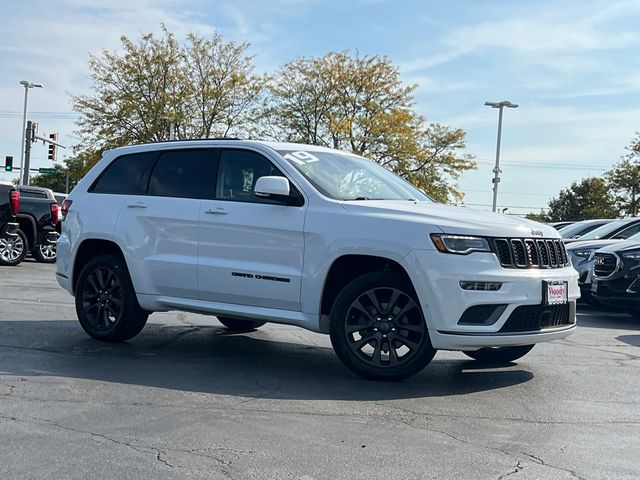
[572,66]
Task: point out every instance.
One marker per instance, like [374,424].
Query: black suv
[12,244]
[616,276]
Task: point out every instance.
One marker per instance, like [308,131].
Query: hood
[621,246]
[590,244]
[450,219]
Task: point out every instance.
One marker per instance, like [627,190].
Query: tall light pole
[27,85]
[496,170]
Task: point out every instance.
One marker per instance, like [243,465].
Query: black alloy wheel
[106,303]
[378,329]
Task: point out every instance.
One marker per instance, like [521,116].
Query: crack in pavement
[533,458]
[515,470]
[224,465]
[539,461]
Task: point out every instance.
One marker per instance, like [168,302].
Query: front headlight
[586,253]
[460,244]
[631,254]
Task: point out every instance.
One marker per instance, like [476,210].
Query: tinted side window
[126,175]
[627,232]
[238,173]
[182,173]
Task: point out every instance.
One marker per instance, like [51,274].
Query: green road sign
[48,170]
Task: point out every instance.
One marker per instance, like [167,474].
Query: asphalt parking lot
[185,399]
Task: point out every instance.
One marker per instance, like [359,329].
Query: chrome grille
[605,264]
[530,252]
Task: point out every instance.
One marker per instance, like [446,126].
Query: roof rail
[189,140]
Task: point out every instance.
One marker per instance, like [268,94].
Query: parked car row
[606,254]
[29,224]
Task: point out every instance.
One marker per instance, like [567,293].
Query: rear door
[160,229]
[251,249]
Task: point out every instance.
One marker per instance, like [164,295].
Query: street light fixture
[27,85]
[496,169]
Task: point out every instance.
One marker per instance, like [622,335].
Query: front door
[251,249]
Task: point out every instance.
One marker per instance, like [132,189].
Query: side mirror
[269,187]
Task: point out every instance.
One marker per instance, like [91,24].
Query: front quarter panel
[332,232]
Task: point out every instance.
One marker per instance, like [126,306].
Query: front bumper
[618,291]
[436,277]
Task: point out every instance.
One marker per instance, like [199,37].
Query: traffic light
[52,147]
[8,164]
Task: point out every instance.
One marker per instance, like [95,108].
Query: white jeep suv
[256,232]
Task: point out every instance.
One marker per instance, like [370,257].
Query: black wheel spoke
[393,355]
[376,358]
[100,278]
[395,295]
[408,307]
[92,283]
[109,308]
[409,343]
[357,305]
[411,327]
[358,344]
[371,294]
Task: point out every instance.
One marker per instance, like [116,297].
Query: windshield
[343,176]
[605,230]
[580,228]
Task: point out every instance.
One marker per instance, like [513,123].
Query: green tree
[359,104]
[591,198]
[200,88]
[538,217]
[624,179]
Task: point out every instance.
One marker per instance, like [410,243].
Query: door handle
[216,211]
[137,205]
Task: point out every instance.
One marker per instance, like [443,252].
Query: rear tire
[13,250]
[106,302]
[240,325]
[499,355]
[45,253]
[378,330]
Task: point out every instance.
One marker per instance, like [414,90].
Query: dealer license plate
[555,293]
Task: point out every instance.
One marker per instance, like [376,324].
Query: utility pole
[24,167]
[496,169]
[27,85]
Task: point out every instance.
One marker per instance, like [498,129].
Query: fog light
[482,286]
[635,286]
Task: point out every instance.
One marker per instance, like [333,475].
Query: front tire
[378,330]
[499,355]
[240,325]
[45,253]
[13,249]
[106,302]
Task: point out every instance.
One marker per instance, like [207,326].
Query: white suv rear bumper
[436,277]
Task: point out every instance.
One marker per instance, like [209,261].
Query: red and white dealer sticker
[556,293]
